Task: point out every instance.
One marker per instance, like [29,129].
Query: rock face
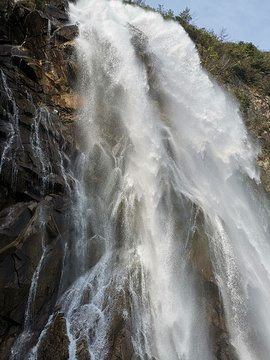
[38,103]
[257,119]
[54,345]
[201,261]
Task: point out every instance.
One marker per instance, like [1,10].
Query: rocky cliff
[37,146]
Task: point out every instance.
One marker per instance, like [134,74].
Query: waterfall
[171,254]
[9,154]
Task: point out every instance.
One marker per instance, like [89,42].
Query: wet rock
[123,347]
[38,75]
[3,197]
[36,24]
[55,343]
[96,248]
[5,5]
[82,352]
[200,250]
[10,50]
[31,69]
[13,220]
[27,112]
[68,51]
[200,257]
[16,29]
[225,351]
[17,265]
[14,295]
[86,297]
[57,13]
[119,336]
[49,280]
[66,33]
[29,4]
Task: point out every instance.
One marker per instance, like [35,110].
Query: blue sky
[246,20]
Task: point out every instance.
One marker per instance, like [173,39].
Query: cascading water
[13,145]
[167,166]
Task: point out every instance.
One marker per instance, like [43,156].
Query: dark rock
[123,347]
[200,251]
[68,50]
[10,50]
[66,33]
[96,248]
[5,5]
[86,297]
[28,4]
[56,13]
[57,308]
[201,260]
[54,344]
[48,283]
[3,197]
[13,221]
[22,85]
[35,76]
[226,351]
[14,294]
[119,337]
[27,108]
[37,24]
[17,266]
[16,24]
[82,352]
[32,70]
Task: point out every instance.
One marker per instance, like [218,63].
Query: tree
[139,2]
[184,17]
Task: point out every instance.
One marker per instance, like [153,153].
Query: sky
[244,20]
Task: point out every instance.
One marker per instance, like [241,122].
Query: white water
[160,143]
[41,151]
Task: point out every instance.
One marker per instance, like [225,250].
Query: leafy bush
[236,63]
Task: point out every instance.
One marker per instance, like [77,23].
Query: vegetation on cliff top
[241,68]
[227,61]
